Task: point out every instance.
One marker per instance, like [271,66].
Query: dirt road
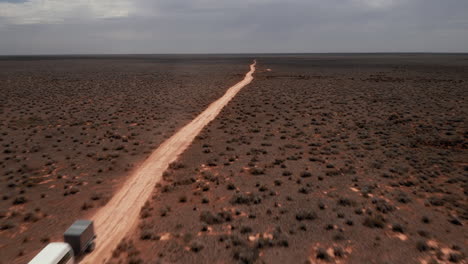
[120,214]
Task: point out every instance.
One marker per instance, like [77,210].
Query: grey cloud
[209,26]
[13,1]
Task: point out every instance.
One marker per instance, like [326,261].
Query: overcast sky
[232,26]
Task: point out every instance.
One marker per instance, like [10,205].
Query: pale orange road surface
[121,213]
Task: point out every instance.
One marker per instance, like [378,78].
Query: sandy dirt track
[121,213]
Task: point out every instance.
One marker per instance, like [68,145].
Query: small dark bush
[135,260]
[246,255]
[19,200]
[455,257]
[453,220]
[212,219]
[196,246]
[338,252]
[376,221]
[248,199]
[398,228]
[304,190]
[257,171]
[435,201]
[245,229]
[403,198]
[346,202]
[146,234]
[422,246]
[6,226]
[382,206]
[176,165]
[30,217]
[322,254]
[183,199]
[96,196]
[306,215]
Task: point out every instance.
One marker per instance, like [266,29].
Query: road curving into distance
[113,221]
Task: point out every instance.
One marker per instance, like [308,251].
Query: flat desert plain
[331,158]
[321,159]
[73,128]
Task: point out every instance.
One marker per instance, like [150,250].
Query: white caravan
[55,253]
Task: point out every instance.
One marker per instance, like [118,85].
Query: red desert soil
[120,214]
[322,159]
[73,128]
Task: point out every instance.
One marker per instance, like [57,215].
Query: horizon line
[233,53]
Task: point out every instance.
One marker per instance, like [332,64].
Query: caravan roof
[52,253]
